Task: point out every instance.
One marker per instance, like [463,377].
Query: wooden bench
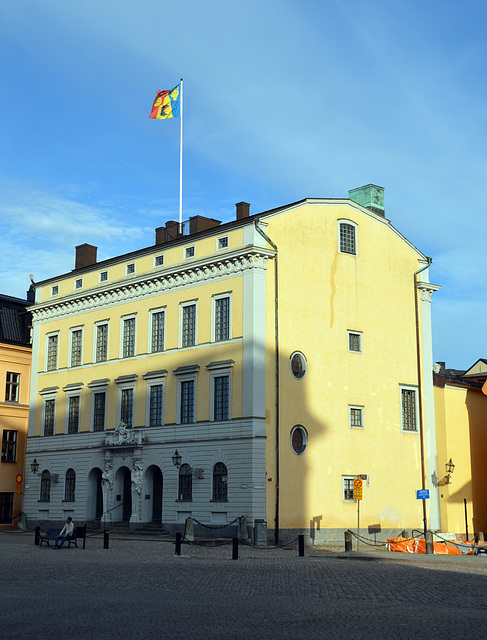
[50,535]
[78,534]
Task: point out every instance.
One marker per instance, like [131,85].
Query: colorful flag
[167,104]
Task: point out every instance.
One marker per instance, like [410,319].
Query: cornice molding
[151,284]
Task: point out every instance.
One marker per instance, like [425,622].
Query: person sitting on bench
[65,533]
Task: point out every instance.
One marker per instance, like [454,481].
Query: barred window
[99,411]
[73,414]
[101,342]
[76,342]
[127,407]
[347,238]
[70,485]
[187,401]
[129,337]
[185,489]
[157,332]
[52,344]
[45,495]
[220,481]
[222,319]
[189,325]
[9,446]
[156,404]
[408,410]
[49,408]
[12,387]
[222,398]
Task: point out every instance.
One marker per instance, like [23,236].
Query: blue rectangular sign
[422,494]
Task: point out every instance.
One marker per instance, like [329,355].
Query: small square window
[54,290]
[189,252]
[355,341]
[356,417]
[159,260]
[223,242]
[103,276]
[347,488]
[78,283]
[131,268]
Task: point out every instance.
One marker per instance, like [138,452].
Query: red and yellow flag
[167,104]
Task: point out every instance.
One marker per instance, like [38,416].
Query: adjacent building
[255,368]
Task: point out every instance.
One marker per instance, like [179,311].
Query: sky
[283,100]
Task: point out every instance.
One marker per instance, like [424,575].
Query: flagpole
[181,162]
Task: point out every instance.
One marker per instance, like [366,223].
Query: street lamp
[34,466]
[450,467]
[176,460]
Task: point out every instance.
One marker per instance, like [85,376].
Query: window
[12,387]
[299,439]
[70,485]
[187,401]
[220,482]
[49,413]
[52,349]
[78,283]
[189,252]
[73,414]
[54,290]
[185,488]
[128,338]
[354,341]
[409,418]
[6,506]
[127,406]
[76,345]
[222,318]
[159,260]
[347,238]
[222,243]
[130,268]
[101,354]
[99,404]
[356,417]
[156,393]
[103,276]
[188,328]
[9,446]
[221,399]
[45,486]
[157,331]
[298,365]
[347,488]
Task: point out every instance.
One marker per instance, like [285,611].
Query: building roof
[15,320]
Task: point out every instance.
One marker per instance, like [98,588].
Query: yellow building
[278,354]
[461,409]
[15,364]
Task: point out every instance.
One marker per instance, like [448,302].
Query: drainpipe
[420,392]
[276,344]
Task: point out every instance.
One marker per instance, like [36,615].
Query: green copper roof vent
[370,196]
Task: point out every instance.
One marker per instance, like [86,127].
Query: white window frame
[122,334]
[187,250]
[356,407]
[98,386]
[406,387]
[100,276]
[78,283]
[70,352]
[128,269]
[182,305]
[217,370]
[95,340]
[49,393]
[302,428]
[154,379]
[46,354]
[124,383]
[355,333]
[214,298]
[159,255]
[72,391]
[304,364]
[12,387]
[54,290]
[218,240]
[186,374]
[355,227]
[347,477]
[152,312]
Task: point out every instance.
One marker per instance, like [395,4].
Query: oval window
[299,439]
[298,364]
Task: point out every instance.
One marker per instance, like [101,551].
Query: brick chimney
[160,235]
[243,210]
[85,255]
[200,223]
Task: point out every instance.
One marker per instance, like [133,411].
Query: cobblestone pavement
[140,589]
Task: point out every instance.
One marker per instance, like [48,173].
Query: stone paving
[138,588]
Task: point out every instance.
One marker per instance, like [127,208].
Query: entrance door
[99,497]
[127,496]
[157,496]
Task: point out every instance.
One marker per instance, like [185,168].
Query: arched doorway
[94,497]
[152,503]
[123,495]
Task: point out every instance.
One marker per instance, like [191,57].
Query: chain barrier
[369,541]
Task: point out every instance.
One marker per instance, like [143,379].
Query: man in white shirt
[65,533]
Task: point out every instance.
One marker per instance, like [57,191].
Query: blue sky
[282,100]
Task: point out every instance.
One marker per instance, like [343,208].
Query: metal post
[466,519]
[106,539]
[235,549]
[348,540]
[37,533]
[429,542]
[177,551]
[358,524]
[301,544]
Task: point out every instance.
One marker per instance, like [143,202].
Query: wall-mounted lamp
[176,460]
[450,467]
[34,467]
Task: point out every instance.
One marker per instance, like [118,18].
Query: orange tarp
[413,545]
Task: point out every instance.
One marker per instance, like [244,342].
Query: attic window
[131,268]
[54,290]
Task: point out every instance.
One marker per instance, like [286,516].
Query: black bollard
[348,540]
[177,550]
[235,549]
[37,533]
[106,538]
[301,544]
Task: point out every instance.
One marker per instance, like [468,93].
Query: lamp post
[34,466]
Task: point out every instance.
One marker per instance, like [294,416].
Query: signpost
[357,495]
[18,479]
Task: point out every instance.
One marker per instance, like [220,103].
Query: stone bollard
[242,528]
[429,542]
[480,536]
[348,540]
[189,530]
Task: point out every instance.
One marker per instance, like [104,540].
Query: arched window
[220,481]
[45,486]
[185,483]
[70,485]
